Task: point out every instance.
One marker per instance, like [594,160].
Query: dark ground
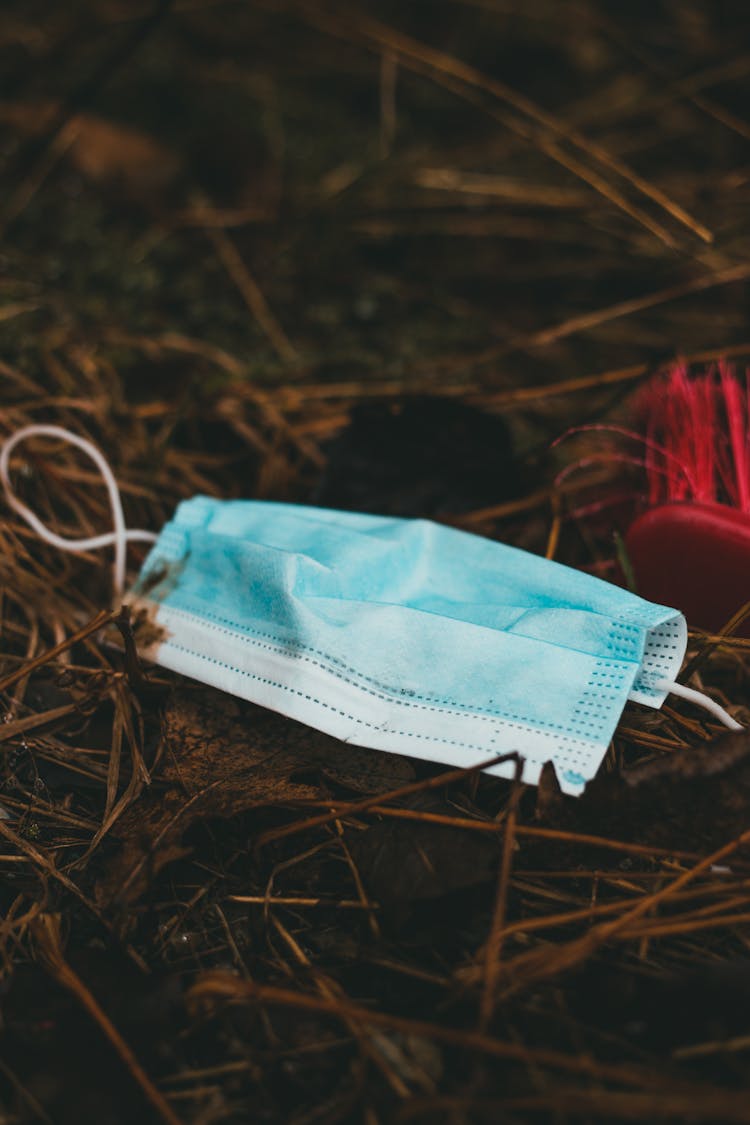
[228,229]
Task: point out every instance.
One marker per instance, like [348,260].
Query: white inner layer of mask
[318,697]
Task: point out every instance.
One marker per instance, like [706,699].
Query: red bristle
[690,426]
[689,545]
[673,468]
[701,424]
[700,434]
[737,482]
[596,507]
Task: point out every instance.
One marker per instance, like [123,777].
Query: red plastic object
[695,557]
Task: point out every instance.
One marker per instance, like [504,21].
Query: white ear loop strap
[701,700]
[120,536]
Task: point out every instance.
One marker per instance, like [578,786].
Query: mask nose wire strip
[700,699]
[119,537]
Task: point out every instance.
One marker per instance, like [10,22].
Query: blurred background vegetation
[464,194]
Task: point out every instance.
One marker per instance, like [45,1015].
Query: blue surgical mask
[404,635]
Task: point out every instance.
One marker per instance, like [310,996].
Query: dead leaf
[444,457]
[221,757]
[696,799]
[408,862]
[107,153]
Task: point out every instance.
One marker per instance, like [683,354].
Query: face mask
[399,635]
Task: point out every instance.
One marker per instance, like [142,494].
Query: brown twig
[46,931]
[347,809]
[218,985]
[251,293]
[102,618]
[494,943]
